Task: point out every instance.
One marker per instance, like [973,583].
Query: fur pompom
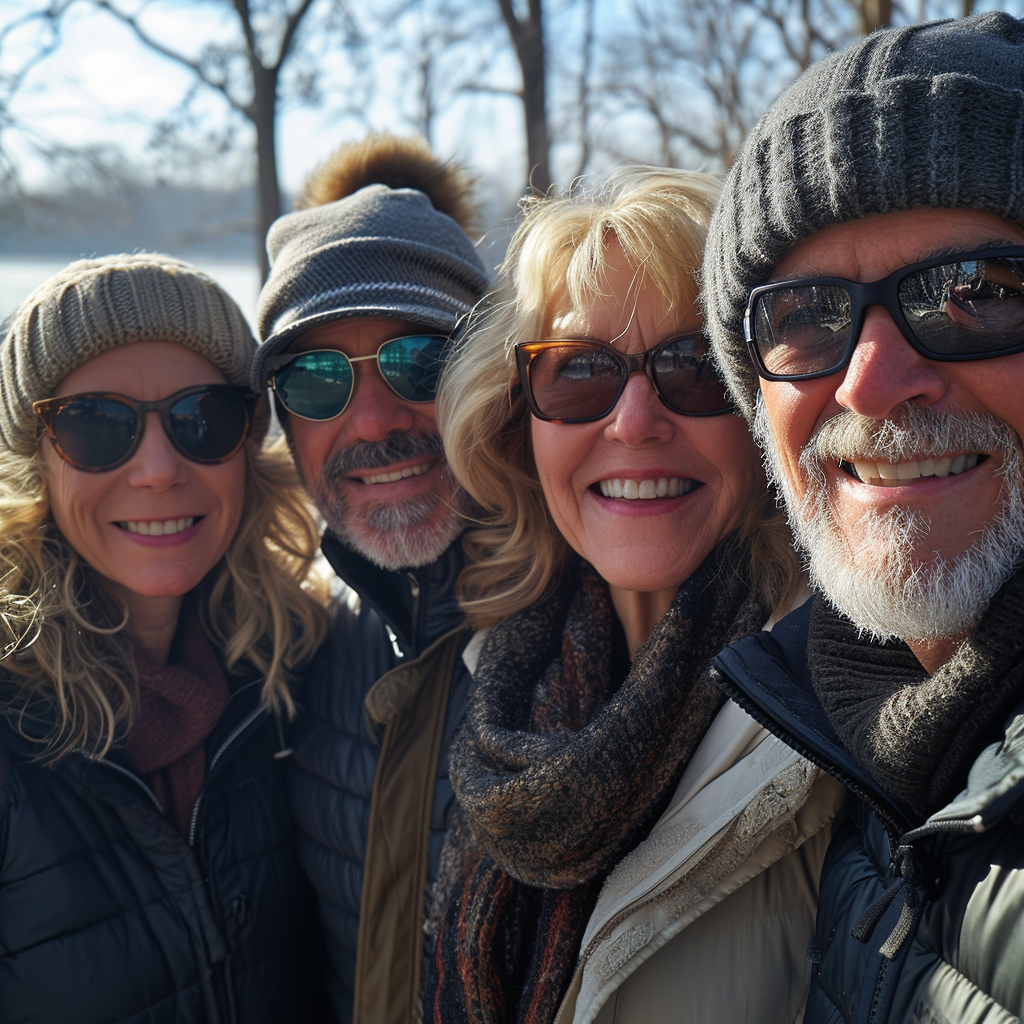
[398,162]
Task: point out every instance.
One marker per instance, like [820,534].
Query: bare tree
[248,72]
[527,34]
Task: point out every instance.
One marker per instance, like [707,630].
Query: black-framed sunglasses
[950,308]
[571,380]
[318,385]
[98,431]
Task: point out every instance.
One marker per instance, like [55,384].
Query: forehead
[872,247]
[144,369]
[629,304]
[356,335]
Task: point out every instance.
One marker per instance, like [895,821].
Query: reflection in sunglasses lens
[95,431]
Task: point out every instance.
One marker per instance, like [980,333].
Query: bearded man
[369,279]
[864,286]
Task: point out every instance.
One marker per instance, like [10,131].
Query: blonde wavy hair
[70,679]
[659,217]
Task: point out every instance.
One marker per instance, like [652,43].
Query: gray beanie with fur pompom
[923,116]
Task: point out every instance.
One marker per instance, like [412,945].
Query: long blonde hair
[70,676]
[659,217]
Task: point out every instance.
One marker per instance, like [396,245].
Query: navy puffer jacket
[338,745]
[915,925]
[107,914]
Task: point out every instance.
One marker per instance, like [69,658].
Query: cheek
[230,485]
[312,443]
[555,457]
[729,445]
[794,412]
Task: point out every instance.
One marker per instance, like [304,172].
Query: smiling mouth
[400,474]
[896,474]
[158,527]
[643,490]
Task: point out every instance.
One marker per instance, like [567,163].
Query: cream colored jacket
[708,920]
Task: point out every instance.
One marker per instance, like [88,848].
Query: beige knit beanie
[95,305]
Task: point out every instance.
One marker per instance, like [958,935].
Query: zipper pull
[283,750]
[905,869]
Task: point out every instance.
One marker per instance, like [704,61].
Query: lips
[643,490]
[895,474]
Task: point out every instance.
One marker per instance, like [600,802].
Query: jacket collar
[418,605]
[767,675]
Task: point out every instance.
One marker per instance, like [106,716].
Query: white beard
[396,535]
[881,584]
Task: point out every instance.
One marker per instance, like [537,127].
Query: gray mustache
[919,432]
[398,446]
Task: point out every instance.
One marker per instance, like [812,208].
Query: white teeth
[633,490]
[891,474]
[157,527]
[401,474]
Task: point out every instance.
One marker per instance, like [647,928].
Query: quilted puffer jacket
[109,916]
[920,925]
[369,781]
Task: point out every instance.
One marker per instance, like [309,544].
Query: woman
[151,567]
[630,537]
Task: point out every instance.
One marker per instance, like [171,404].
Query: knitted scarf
[558,775]
[179,704]
[919,734]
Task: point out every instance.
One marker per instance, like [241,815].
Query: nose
[885,371]
[639,418]
[374,410]
[156,464]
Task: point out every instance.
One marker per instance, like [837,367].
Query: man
[870,239]
[364,293]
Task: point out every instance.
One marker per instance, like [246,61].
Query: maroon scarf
[179,705]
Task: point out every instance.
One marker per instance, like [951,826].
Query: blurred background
[186,126]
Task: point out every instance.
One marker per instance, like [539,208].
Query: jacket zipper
[125,772]
[235,733]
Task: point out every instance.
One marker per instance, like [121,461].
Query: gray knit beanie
[928,115]
[379,252]
[96,305]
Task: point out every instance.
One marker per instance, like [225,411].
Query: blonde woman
[152,557]
[630,536]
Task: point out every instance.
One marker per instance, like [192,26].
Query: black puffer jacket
[923,925]
[389,646]
[108,915]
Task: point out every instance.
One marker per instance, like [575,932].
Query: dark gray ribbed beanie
[378,252]
[92,306]
[927,115]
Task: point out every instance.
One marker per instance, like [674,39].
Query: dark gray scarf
[558,774]
[917,734]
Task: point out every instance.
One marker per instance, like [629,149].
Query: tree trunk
[874,14]
[528,40]
[264,118]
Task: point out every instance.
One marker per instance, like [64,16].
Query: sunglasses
[98,431]
[318,385]
[566,380]
[950,308]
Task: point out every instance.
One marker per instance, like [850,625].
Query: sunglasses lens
[686,379]
[209,426]
[315,386]
[573,382]
[95,432]
[969,308]
[412,366]
[802,329]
